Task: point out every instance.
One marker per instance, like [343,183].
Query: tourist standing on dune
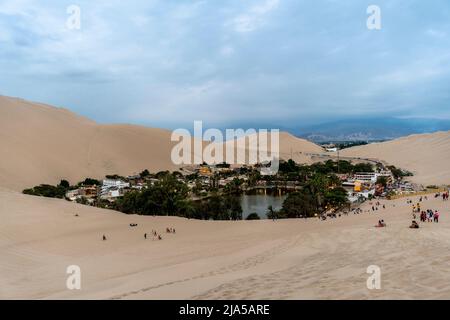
[436,216]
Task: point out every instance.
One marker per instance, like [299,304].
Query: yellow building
[205,171]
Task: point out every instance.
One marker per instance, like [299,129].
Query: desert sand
[291,259]
[43,144]
[425,155]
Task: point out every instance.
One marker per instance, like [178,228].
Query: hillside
[43,144]
[426,155]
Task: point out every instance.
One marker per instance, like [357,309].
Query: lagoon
[259,202]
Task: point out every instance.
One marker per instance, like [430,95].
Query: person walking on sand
[145,236]
[104,238]
[424,216]
[430,216]
[436,216]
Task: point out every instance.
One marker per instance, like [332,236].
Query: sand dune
[43,144]
[426,155]
[292,259]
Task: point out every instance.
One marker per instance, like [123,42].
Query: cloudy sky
[166,63]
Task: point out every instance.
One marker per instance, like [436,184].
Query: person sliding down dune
[414,225]
[381,224]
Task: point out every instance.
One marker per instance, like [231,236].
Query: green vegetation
[114,177]
[291,168]
[64,184]
[298,204]
[144,174]
[322,192]
[217,207]
[169,196]
[59,191]
[253,216]
[89,182]
[166,197]
[314,189]
[49,191]
[399,173]
[344,144]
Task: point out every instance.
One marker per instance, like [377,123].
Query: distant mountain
[373,129]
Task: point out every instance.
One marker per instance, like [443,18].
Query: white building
[73,195]
[113,188]
[371,177]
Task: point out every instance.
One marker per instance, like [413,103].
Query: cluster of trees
[328,167]
[346,144]
[169,196]
[322,192]
[60,190]
[399,173]
[289,170]
[216,207]
[253,216]
[166,197]
[49,191]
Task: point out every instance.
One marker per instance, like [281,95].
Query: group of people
[425,215]
[445,196]
[170,230]
[416,208]
[429,216]
[377,205]
[154,234]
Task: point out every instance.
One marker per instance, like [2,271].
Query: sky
[229,63]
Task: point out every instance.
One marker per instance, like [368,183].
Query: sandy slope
[426,155]
[293,259]
[43,144]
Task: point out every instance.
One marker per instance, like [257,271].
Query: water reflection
[259,203]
